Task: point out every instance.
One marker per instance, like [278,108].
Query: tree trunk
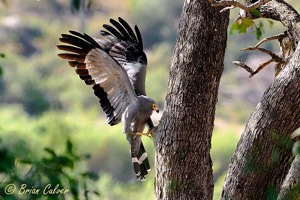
[290,189]
[183,138]
[264,153]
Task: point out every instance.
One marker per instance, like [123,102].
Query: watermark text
[25,189]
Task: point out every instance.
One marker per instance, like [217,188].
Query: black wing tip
[73,32]
[112,21]
[105,104]
[121,29]
[79,39]
[139,38]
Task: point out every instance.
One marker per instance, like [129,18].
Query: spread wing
[126,47]
[93,65]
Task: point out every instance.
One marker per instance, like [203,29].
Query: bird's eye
[154,106]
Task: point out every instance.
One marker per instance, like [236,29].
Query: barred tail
[141,164]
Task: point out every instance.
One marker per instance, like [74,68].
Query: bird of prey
[116,69]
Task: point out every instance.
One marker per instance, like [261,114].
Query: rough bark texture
[263,156]
[281,11]
[183,138]
[290,189]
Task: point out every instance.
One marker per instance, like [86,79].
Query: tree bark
[283,12]
[183,138]
[263,156]
[290,189]
[264,153]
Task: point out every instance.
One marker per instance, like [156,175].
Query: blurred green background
[52,129]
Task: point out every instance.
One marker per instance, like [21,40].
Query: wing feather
[120,28]
[110,81]
[126,47]
[127,28]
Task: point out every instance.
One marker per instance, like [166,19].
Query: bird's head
[147,103]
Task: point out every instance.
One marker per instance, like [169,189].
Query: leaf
[255,13]
[271,23]
[65,161]
[258,33]
[259,30]
[91,175]
[50,151]
[241,26]
[69,147]
[96,193]
[26,161]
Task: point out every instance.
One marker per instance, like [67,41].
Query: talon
[148,134]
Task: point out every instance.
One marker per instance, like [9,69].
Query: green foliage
[41,144]
[259,30]
[49,177]
[244,24]
[241,26]
[255,13]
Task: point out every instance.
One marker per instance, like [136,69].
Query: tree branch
[290,189]
[273,37]
[273,55]
[230,4]
[280,61]
[264,153]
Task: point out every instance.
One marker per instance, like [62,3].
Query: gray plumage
[126,47]
[134,119]
[115,89]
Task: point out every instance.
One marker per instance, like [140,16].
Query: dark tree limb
[273,37]
[280,61]
[249,69]
[264,153]
[263,156]
[230,4]
[244,66]
[270,53]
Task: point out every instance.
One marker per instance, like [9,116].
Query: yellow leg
[148,134]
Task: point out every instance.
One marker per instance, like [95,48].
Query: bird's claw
[148,134]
